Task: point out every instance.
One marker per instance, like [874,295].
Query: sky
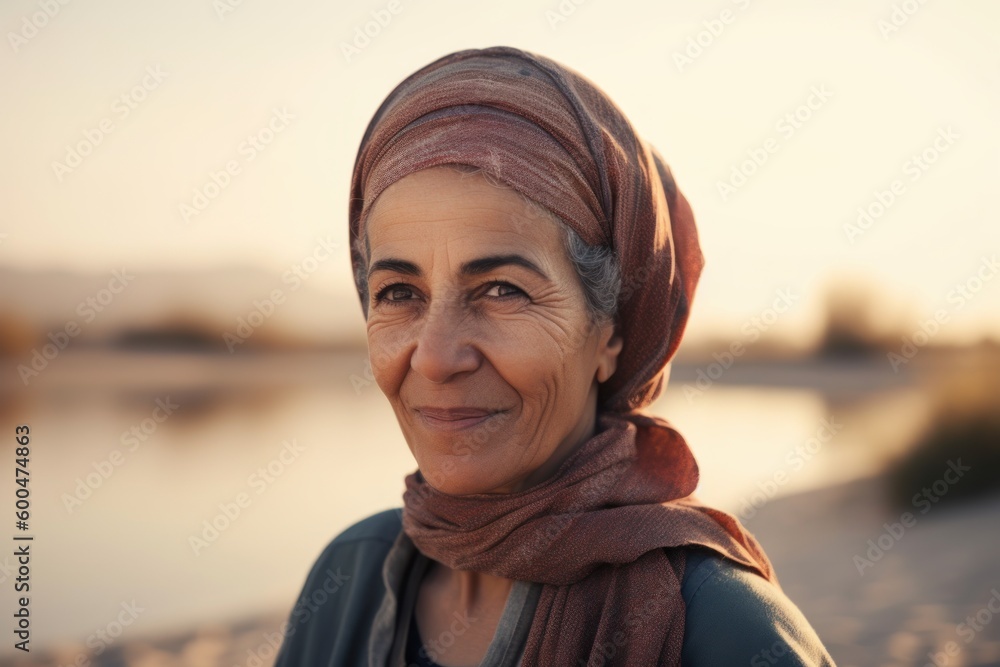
[203,133]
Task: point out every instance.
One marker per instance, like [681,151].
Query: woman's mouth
[454,419]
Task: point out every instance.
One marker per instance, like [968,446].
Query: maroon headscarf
[605,532]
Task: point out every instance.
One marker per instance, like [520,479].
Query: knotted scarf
[606,534]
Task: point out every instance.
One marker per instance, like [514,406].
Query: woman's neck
[467,592]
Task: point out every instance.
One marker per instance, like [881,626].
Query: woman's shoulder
[379,527]
[736,616]
[363,541]
[360,548]
[341,596]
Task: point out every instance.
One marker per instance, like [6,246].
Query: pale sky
[199,80]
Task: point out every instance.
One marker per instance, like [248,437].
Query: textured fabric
[737,618]
[606,533]
[733,617]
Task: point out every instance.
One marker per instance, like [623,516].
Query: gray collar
[402,571]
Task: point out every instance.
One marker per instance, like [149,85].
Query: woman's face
[478,332]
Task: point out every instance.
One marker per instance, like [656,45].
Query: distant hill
[237,307]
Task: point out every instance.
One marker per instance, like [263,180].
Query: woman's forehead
[458,209]
[442,188]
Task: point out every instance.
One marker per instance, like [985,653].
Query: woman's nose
[444,347]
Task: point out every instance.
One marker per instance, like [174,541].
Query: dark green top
[355,609]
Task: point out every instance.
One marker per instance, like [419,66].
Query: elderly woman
[526,265]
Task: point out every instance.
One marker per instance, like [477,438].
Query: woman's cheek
[531,344]
[386,352]
[531,369]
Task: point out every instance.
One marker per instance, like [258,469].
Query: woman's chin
[463,477]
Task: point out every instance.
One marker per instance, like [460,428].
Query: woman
[526,265]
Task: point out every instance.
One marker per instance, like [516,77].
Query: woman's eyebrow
[486,264]
[473,267]
[394,265]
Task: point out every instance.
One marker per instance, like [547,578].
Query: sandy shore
[911,602]
[913,599]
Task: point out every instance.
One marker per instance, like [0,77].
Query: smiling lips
[454,419]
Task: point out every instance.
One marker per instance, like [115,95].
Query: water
[309,451]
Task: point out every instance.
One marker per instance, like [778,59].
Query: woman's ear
[609,348]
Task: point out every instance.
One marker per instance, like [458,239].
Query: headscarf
[606,533]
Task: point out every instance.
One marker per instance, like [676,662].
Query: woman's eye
[394,293]
[501,290]
[401,293]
